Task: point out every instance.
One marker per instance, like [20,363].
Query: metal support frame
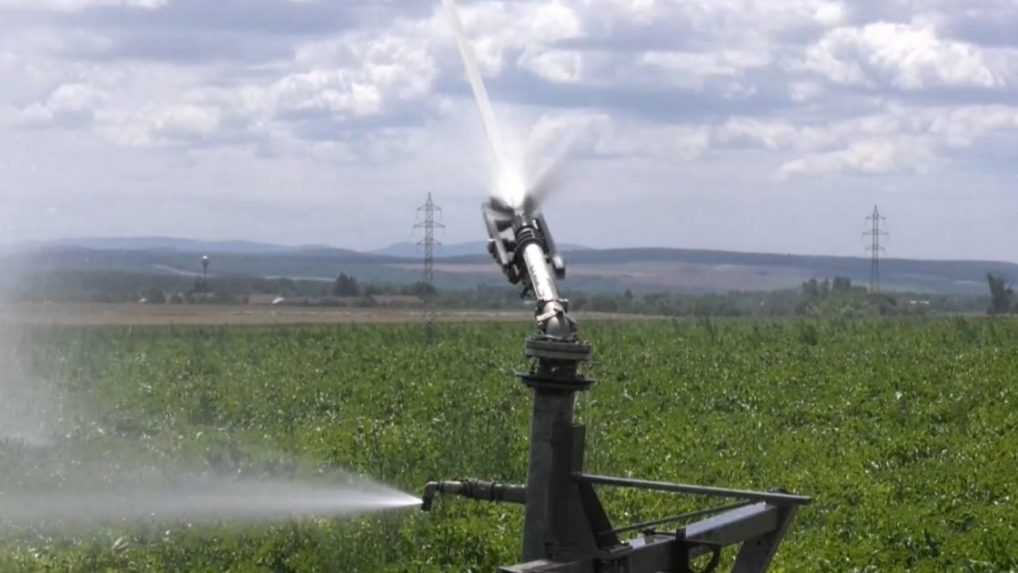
[778,498]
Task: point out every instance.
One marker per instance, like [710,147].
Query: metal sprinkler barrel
[566,528]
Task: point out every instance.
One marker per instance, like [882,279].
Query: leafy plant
[903,430]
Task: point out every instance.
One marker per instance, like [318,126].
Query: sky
[752,125]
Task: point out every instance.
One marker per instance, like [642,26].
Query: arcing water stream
[517,181]
[509,183]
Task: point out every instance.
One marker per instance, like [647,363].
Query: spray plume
[512,187]
[51,479]
[509,185]
[29,406]
[205,500]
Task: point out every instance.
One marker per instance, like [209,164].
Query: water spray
[566,527]
[202,501]
[207,499]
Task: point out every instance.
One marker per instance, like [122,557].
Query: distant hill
[478,248]
[723,270]
[607,270]
[164,244]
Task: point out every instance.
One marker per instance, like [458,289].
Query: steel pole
[548,479]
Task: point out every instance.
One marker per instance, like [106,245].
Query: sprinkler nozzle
[428,499]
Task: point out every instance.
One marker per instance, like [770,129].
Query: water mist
[29,407]
[60,469]
[195,500]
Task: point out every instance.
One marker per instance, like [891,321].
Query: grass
[904,431]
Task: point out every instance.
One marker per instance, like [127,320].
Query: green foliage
[903,430]
[346,285]
[1001,294]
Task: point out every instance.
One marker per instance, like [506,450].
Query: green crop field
[905,432]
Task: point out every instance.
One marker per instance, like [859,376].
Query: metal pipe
[551,312]
[769,497]
[473,489]
[540,273]
[681,517]
[550,464]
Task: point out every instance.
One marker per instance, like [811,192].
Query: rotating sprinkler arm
[523,246]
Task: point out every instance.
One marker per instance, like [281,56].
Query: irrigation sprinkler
[566,528]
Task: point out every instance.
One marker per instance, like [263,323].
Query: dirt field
[65,314]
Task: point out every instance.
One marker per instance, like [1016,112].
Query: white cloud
[157,126]
[768,134]
[906,56]
[692,68]
[557,66]
[900,139]
[719,23]
[530,28]
[551,22]
[719,94]
[334,91]
[185,122]
[78,5]
[346,79]
[638,11]
[68,105]
[399,64]
[804,91]
[963,126]
[870,157]
[830,14]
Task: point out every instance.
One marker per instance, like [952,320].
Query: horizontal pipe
[769,497]
[474,489]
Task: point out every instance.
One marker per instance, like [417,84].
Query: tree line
[1001,295]
[815,297]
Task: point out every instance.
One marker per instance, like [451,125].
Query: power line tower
[875,233]
[429,218]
